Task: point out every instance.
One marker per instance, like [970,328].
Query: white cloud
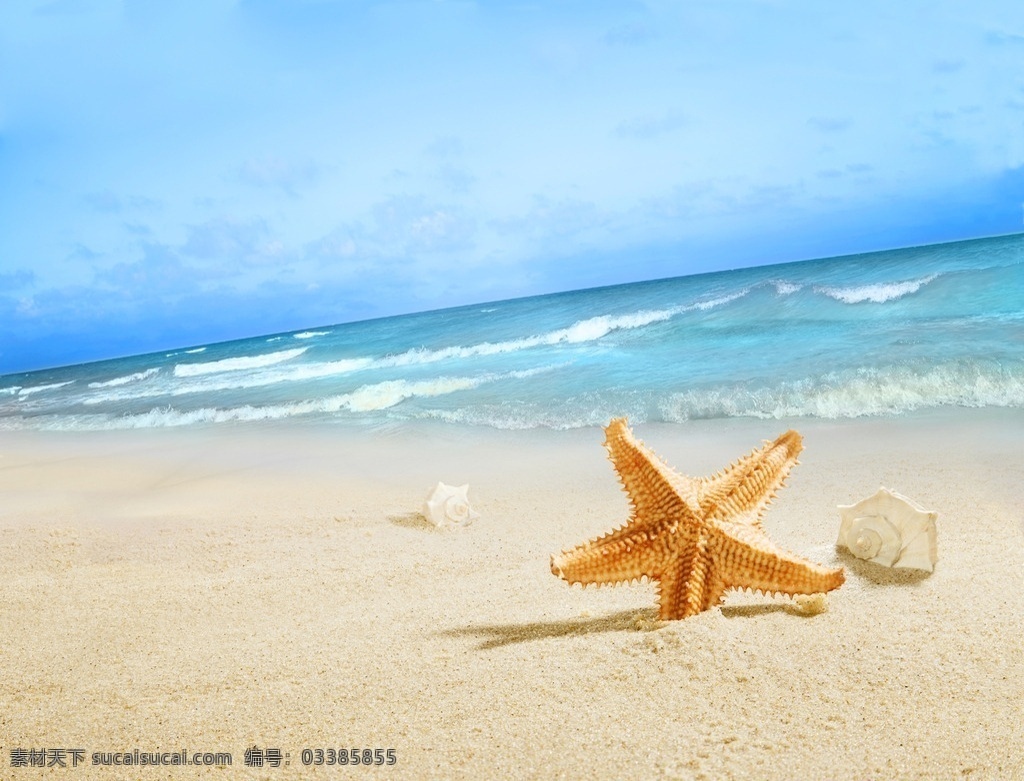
[409,224]
[401,236]
[553,220]
[229,240]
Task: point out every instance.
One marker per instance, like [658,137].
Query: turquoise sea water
[878,334]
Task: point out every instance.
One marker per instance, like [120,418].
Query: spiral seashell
[874,537]
[891,530]
[449,504]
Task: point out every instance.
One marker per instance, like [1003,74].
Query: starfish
[696,536]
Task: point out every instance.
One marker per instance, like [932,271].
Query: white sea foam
[129,378]
[310,334]
[589,330]
[569,413]
[368,398]
[11,391]
[712,303]
[222,380]
[383,395]
[877,293]
[784,288]
[236,364]
[193,351]
[26,392]
[865,392]
[228,380]
[226,375]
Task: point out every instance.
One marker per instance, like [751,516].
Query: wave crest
[878,293]
[236,364]
[33,389]
[365,399]
[136,377]
[862,393]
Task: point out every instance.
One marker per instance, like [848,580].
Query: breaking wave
[25,392]
[368,398]
[859,393]
[877,293]
[228,374]
[129,378]
[237,364]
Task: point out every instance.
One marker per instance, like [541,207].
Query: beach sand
[213,589]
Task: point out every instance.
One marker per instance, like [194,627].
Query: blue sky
[174,173]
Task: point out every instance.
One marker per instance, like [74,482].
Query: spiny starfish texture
[696,536]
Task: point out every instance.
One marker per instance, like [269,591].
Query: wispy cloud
[81,251]
[109,202]
[289,177]
[138,229]
[648,127]
[445,146]
[16,280]
[554,220]
[419,226]
[160,271]
[629,35]
[947,66]
[104,202]
[830,124]
[456,179]
[235,244]
[400,226]
[1001,38]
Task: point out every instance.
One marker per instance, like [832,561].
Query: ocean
[879,334]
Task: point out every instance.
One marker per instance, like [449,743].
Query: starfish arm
[743,491]
[653,487]
[748,559]
[690,585]
[622,555]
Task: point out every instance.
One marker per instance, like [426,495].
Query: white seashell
[449,504]
[890,529]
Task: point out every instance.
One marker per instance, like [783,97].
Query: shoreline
[273,585]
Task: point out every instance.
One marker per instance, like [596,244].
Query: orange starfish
[696,536]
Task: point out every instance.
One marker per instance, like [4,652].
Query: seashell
[891,530]
[448,504]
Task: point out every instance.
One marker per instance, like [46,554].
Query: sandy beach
[219,588]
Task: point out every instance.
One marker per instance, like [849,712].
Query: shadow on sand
[754,611]
[879,574]
[497,635]
[413,521]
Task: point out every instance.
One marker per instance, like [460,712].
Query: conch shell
[448,504]
[891,530]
